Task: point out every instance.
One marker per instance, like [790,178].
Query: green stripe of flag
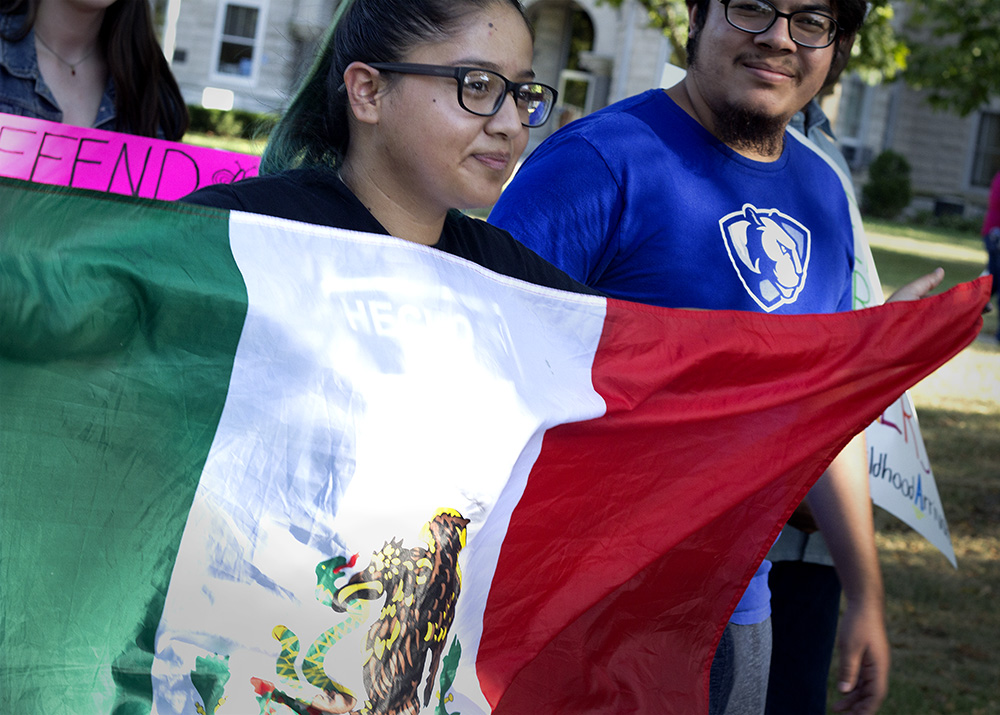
[160,355]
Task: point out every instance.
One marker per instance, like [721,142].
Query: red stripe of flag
[638,531]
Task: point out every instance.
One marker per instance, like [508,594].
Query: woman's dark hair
[850,16]
[314,129]
[148,101]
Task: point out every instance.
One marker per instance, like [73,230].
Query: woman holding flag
[231,438]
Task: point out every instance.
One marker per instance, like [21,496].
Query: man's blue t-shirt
[641,202]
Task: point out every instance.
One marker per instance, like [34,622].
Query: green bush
[888,190]
[231,123]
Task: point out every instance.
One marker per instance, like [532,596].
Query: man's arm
[841,504]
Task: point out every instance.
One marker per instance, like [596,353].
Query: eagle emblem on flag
[421,586]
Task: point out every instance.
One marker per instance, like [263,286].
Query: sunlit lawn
[243,146]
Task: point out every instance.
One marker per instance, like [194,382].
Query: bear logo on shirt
[770,252]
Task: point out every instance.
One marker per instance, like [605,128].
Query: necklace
[72,65]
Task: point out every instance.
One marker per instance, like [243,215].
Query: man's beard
[739,127]
[745,129]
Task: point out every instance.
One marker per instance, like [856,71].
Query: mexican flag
[255,466]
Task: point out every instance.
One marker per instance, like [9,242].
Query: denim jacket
[814,123]
[23,90]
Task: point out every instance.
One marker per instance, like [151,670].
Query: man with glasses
[698,197]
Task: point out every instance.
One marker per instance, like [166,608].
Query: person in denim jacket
[96,64]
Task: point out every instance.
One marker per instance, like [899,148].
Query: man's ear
[841,55]
[364,86]
[693,23]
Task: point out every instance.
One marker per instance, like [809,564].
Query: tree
[878,54]
[955,52]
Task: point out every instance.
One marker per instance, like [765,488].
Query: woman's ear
[364,86]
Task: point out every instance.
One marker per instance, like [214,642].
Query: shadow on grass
[943,623]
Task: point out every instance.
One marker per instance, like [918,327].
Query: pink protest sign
[65,155]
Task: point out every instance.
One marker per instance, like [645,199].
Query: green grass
[944,625]
[243,146]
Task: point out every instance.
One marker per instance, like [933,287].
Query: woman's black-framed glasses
[807,28]
[482,92]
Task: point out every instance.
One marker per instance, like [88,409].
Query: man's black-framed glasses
[482,92]
[807,28]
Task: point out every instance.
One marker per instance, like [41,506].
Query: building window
[986,161]
[852,100]
[239,39]
[852,118]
